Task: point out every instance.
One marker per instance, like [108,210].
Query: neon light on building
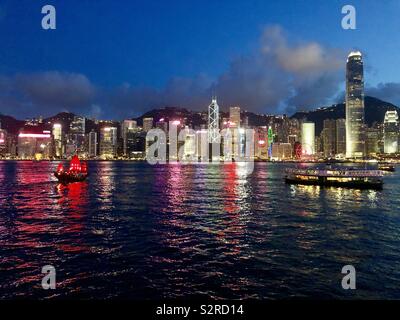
[34,135]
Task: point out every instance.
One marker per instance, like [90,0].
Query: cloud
[282,75]
[46,92]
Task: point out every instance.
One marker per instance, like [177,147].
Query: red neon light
[1,140]
[34,135]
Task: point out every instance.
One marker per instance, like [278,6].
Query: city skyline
[250,69]
[197,158]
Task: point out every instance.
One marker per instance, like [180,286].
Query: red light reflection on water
[74,196]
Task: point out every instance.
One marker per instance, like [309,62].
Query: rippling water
[195,231]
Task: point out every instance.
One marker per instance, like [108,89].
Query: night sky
[116,59]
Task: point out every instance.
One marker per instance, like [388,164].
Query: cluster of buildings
[281,138]
[53,140]
[351,138]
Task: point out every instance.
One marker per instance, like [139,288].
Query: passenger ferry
[338,177]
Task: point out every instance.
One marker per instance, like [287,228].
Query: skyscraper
[355,127]
[57,136]
[329,138]
[147,124]
[308,138]
[213,121]
[391,132]
[92,144]
[234,117]
[127,126]
[76,137]
[108,142]
[234,125]
[3,142]
[372,139]
[341,137]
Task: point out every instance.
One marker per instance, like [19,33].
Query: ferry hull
[323,182]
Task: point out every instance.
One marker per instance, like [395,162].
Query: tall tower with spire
[213,121]
[355,123]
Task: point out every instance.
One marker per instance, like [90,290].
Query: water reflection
[139,231]
[74,198]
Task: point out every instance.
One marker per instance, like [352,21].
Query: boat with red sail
[77,171]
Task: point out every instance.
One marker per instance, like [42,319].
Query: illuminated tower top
[213,121]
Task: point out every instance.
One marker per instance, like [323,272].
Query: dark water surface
[193,231]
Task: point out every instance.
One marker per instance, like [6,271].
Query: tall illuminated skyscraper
[341,137]
[234,117]
[234,124]
[391,132]
[355,123]
[57,136]
[213,121]
[92,150]
[147,124]
[76,137]
[108,142]
[127,126]
[308,138]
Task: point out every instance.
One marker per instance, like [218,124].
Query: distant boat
[387,167]
[77,171]
[343,177]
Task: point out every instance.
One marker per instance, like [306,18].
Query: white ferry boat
[343,177]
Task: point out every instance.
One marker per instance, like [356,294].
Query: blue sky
[117,48]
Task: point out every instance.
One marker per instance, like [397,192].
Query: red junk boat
[77,171]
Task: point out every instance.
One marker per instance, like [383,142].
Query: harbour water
[193,231]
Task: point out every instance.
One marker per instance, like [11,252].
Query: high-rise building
[355,124]
[147,124]
[92,145]
[57,136]
[391,132]
[127,126]
[341,137]
[234,117]
[372,143]
[108,142]
[202,145]
[76,137]
[329,138]
[175,127]
[3,142]
[213,122]
[261,142]
[162,124]
[281,151]
[234,125]
[308,138]
[189,148]
[34,143]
